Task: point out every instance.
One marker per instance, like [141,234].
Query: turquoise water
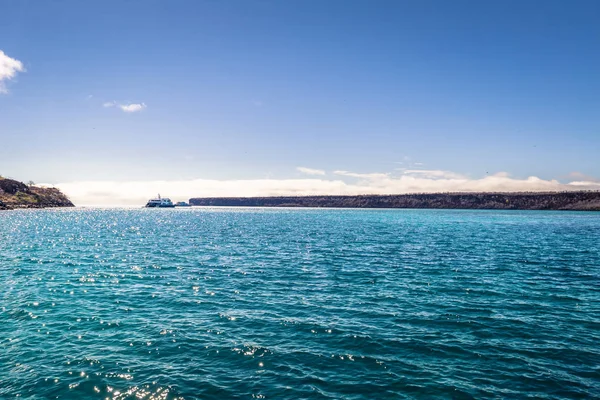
[281,303]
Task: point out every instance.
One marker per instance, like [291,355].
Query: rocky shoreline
[15,194]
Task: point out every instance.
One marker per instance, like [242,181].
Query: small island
[15,194]
[576,201]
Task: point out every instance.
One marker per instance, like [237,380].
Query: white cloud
[9,67]
[136,193]
[133,107]
[128,108]
[310,171]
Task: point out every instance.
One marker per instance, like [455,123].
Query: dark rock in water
[581,201]
[15,194]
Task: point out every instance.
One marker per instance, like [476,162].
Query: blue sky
[242,92]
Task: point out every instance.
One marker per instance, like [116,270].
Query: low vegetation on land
[15,194]
[581,200]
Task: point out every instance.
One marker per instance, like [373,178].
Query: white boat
[160,202]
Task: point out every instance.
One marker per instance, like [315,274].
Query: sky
[116,101]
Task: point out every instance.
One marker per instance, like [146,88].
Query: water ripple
[280,303]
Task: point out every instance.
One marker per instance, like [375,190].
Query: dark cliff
[15,194]
[584,200]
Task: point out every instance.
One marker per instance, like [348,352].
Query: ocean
[261,303]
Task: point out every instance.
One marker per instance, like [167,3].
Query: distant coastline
[15,194]
[576,201]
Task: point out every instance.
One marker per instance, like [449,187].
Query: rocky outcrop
[15,194]
[581,201]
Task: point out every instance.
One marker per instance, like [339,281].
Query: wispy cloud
[375,175]
[138,192]
[432,174]
[9,67]
[582,177]
[128,108]
[310,171]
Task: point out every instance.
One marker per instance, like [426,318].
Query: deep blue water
[285,303]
